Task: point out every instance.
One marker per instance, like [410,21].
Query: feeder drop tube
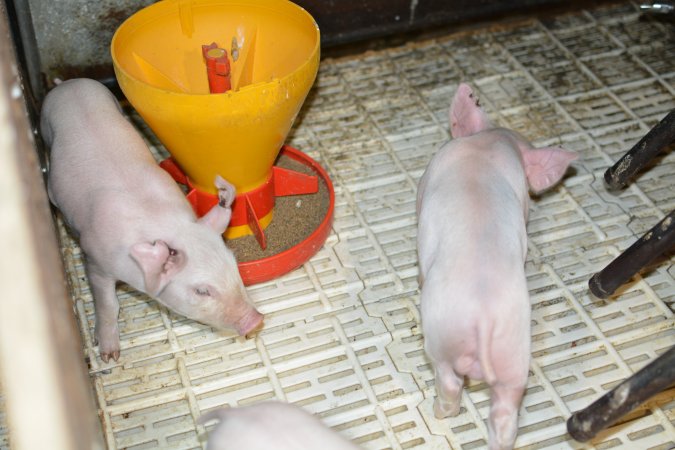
[217,68]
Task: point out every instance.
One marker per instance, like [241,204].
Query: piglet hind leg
[448,391]
[107,309]
[503,421]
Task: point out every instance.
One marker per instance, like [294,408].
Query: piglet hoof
[226,192]
[443,409]
[115,355]
[109,348]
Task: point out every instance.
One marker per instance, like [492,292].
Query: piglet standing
[472,207]
[271,425]
[133,221]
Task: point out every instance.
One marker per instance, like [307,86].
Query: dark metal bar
[657,376]
[655,242]
[25,42]
[648,147]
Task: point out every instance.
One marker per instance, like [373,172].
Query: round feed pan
[268,268]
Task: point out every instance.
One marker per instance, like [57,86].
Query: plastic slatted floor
[342,336]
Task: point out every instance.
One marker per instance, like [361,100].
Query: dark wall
[71,38]
[344,21]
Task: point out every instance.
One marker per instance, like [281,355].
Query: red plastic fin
[254,224]
[290,182]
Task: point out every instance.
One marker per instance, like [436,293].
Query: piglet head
[193,273]
[544,167]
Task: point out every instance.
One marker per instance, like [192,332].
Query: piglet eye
[172,252]
[204,292]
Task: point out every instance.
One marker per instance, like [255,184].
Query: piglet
[133,221]
[271,425]
[472,206]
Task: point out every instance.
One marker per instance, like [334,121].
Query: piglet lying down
[472,207]
[133,221]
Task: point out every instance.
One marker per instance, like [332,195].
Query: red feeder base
[248,207]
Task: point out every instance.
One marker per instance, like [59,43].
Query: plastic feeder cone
[273,50]
[227,111]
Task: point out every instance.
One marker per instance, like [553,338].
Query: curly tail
[484,354]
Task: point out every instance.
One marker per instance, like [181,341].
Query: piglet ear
[544,167]
[467,117]
[218,217]
[159,264]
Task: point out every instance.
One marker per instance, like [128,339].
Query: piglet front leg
[107,310]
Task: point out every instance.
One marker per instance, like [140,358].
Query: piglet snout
[250,322]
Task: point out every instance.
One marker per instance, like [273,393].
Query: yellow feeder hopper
[272,50]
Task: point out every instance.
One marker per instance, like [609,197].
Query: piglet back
[69,100]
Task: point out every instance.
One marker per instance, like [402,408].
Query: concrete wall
[73,36]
